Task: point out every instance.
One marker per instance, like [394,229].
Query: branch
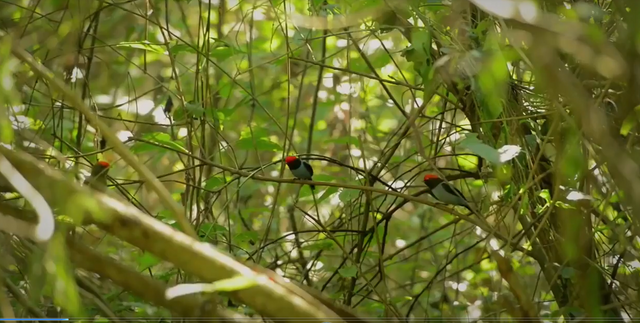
[76,102]
[272,297]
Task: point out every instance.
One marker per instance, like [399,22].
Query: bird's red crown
[103,164]
[290,159]
[430,177]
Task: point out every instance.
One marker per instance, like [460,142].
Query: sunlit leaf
[508,152]
[145,45]
[147,260]
[327,193]
[164,139]
[225,285]
[246,236]
[479,148]
[182,48]
[347,195]
[630,121]
[208,229]
[348,272]
[261,144]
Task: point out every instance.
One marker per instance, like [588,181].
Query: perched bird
[98,178]
[445,192]
[300,169]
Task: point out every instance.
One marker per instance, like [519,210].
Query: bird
[445,192]
[98,178]
[300,169]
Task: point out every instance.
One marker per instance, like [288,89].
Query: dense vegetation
[530,108]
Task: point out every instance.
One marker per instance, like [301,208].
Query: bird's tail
[313,187]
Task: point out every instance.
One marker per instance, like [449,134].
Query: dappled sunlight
[170,140]
[140,106]
[124,135]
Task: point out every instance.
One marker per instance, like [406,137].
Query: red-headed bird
[300,169]
[98,178]
[445,192]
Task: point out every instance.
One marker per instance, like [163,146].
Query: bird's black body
[300,169]
[432,183]
[452,195]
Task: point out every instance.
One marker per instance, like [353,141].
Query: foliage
[529,107]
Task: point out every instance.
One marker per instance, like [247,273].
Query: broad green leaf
[467,162]
[255,132]
[224,53]
[182,48]
[225,285]
[492,81]
[164,139]
[348,272]
[213,182]
[305,191]
[194,109]
[261,144]
[628,124]
[145,45]
[630,121]
[348,195]
[147,260]
[246,236]
[233,284]
[327,193]
[472,143]
[421,42]
[213,228]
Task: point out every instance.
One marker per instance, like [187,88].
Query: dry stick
[118,147]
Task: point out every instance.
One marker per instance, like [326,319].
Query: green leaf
[208,229]
[630,121]
[225,285]
[421,42]
[182,48]
[324,244]
[147,260]
[348,195]
[261,144]
[194,109]
[348,272]
[213,182]
[233,284]
[163,139]
[327,193]
[144,45]
[224,53]
[472,143]
[246,236]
